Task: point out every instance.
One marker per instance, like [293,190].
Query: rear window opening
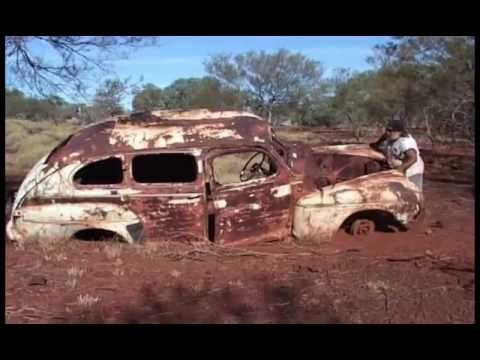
[104,172]
[164,168]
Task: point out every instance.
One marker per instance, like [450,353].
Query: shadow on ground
[263,301]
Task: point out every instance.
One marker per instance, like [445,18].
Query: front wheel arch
[382,219]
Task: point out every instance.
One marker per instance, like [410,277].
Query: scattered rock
[175,273]
[38,280]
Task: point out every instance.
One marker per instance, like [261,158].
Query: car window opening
[242,166]
[164,168]
[104,172]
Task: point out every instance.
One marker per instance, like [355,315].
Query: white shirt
[396,153]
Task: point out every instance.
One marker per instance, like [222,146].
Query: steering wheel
[249,171]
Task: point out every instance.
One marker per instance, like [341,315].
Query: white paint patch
[294,155]
[349,197]
[219,133]
[200,114]
[140,137]
[161,137]
[112,140]
[281,191]
[220,204]
[311,200]
[184,201]
[200,166]
[256,138]
[254,206]
[402,217]
[389,196]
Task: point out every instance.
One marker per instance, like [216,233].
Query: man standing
[401,152]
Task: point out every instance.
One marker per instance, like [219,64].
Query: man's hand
[376,145]
[402,168]
[410,159]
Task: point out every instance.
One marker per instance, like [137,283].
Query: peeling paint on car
[312,193]
[281,191]
[220,204]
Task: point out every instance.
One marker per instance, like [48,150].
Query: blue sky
[183,56]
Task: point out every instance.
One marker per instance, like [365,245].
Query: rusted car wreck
[222,177]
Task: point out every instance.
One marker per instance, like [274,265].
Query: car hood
[327,165]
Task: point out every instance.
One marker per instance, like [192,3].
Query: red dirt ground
[424,275]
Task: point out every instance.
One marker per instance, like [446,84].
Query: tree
[108,98]
[437,73]
[15,103]
[272,83]
[352,95]
[149,97]
[206,92]
[71,59]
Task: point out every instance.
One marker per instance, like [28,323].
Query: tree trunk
[355,129]
[428,129]
[358,131]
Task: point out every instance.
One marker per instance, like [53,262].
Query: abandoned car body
[222,177]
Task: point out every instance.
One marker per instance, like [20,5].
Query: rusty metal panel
[255,210]
[171,218]
[171,211]
[148,131]
[319,215]
[252,211]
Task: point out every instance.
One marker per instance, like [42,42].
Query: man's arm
[410,159]
[376,145]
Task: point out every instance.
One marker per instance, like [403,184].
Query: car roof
[163,129]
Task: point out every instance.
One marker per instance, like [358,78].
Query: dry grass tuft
[113,251]
[87,300]
[74,274]
[27,141]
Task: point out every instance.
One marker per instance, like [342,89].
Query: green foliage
[429,80]
[51,108]
[274,85]
[148,98]
[108,97]
[206,92]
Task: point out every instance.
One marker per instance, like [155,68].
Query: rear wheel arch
[97,234]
